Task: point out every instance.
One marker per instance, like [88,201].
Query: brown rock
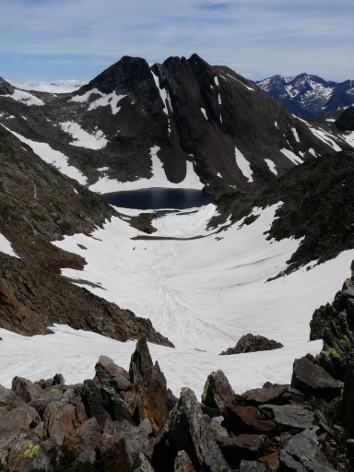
[86,436]
[25,389]
[183,463]
[59,420]
[150,388]
[271,461]
[268,394]
[246,419]
[244,446]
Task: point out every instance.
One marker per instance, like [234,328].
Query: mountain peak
[307,95]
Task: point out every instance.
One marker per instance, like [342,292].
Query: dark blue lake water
[157,198]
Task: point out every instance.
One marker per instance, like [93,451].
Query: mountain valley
[80,278]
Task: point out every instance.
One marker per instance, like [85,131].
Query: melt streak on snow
[158,179]
[243,165]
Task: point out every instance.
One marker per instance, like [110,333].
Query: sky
[78,39]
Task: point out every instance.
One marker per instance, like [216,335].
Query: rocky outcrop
[28,307]
[251,343]
[38,205]
[322,216]
[312,379]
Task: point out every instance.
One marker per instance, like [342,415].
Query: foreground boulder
[187,430]
[312,379]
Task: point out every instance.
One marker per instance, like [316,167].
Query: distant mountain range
[185,116]
[309,96]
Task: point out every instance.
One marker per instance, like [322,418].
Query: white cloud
[264,36]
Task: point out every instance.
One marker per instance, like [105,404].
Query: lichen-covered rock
[59,421]
[301,454]
[183,462]
[92,399]
[144,464]
[26,455]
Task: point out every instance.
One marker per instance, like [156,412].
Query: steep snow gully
[200,287]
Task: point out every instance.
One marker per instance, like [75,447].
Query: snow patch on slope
[243,165]
[94,140]
[56,158]
[271,165]
[239,81]
[292,156]
[163,94]
[325,137]
[111,99]
[6,248]
[349,138]
[158,179]
[295,133]
[203,110]
[25,97]
[74,353]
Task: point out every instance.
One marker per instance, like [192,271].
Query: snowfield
[201,288]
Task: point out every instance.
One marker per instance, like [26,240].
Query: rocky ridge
[206,117]
[38,204]
[130,421]
[316,207]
